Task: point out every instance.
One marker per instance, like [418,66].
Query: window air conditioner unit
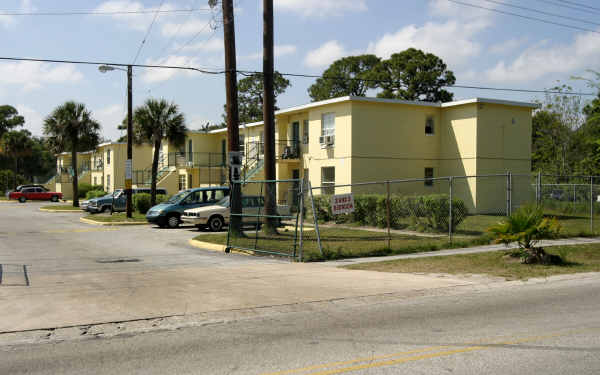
[189,163]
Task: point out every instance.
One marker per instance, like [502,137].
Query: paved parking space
[65,273]
[59,242]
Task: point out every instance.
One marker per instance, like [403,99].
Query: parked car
[116,200]
[216,216]
[169,213]
[34,193]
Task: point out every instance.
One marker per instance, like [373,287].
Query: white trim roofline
[343,99]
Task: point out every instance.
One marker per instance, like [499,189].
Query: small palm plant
[527,226]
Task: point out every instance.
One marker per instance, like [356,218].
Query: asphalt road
[60,243]
[550,328]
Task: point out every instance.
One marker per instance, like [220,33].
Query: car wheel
[103,209]
[215,223]
[22,199]
[173,221]
[258,226]
[54,198]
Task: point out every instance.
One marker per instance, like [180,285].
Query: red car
[35,193]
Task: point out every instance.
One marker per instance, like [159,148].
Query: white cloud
[154,75]
[325,54]
[187,28]
[279,50]
[507,46]
[139,22]
[543,59]
[453,41]
[321,7]
[110,117]
[34,121]
[10,21]
[33,75]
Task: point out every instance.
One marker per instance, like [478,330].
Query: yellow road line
[398,361]
[475,347]
[340,363]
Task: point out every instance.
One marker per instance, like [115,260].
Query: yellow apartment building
[344,141]
[348,140]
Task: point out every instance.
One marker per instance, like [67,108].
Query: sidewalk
[467,250]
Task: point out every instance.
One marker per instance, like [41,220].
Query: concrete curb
[53,210]
[216,247]
[114,223]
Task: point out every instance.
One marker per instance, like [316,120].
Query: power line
[561,4]
[100,12]
[299,75]
[168,44]
[523,16]
[580,5]
[542,12]
[148,32]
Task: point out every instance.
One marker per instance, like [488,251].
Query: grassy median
[578,258]
[118,217]
[342,243]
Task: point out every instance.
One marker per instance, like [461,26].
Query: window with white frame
[107,157]
[182,182]
[428,176]
[328,124]
[305,132]
[328,180]
[108,182]
[429,126]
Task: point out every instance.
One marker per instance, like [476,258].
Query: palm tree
[17,144]
[155,120]
[70,127]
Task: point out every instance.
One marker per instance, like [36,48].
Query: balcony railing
[284,149]
[196,159]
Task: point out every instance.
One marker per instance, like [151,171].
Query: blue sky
[481,47]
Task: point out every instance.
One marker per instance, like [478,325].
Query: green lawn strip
[61,207]
[579,258]
[117,217]
[342,243]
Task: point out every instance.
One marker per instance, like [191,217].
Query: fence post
[450,229]
[388,215]
[508,194]
[301,220]
[591,205]
[312,202]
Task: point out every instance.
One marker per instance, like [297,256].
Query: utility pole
[269,117]
[129,162]
[233,139]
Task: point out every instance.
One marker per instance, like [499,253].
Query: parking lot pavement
[61,272]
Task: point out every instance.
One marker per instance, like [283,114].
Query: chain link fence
[405,215]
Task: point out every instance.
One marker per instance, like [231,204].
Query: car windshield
[223,202]
[178,197]
[116,193]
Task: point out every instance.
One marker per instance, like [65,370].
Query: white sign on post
[128,169]
[342,204]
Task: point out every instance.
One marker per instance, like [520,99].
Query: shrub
[95,194]
[141,201]
[83,188]
[7,180]
[427,213]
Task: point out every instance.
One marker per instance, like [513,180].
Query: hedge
[426,213]
[95,194]
[141,201]
[83,188]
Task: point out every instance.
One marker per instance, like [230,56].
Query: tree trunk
[157,144]
[16,171]
[75,177]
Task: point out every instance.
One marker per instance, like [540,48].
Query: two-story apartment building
[348,140]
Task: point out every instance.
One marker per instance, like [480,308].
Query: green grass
[3,198]
[62,207]
[118,217]
[343,243]
[579,258]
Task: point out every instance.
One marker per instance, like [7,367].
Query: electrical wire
[561,4]
[525,17]
[100,12]
[580,4]
[298,75]
[148,32]
[168,44]
[542,12]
